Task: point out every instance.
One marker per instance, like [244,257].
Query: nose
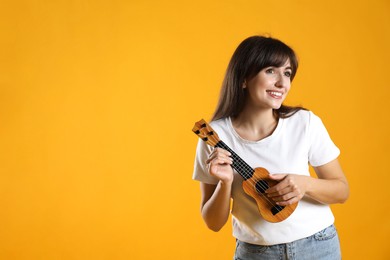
[282,81]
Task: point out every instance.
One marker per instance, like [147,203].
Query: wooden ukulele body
[256,181]
[256,186]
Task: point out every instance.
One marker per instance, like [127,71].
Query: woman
[252,120]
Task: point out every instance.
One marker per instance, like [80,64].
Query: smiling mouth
[275,94]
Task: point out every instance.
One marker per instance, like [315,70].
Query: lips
[275,94]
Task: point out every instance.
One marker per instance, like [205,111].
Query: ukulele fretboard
[239,164]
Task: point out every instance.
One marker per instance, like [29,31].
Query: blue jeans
[323,245]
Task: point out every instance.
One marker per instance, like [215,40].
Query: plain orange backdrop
[98,99]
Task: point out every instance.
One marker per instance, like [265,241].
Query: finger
[278,187]
[277,177]
[220,157]
[228,160]
[223,151]
[221,160]
[287,184]
[212,156]
[288,202]
[280,193]
[284,197]
[219,152]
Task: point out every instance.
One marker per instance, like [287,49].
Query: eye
[287,73]
[270,70]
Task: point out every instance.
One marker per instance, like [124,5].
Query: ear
[244,84]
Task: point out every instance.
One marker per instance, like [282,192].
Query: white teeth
[276,93]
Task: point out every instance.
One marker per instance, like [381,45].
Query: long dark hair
[251,56]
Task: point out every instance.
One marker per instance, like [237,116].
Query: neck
[255,124]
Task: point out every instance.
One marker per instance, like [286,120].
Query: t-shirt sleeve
[200,167]
[321,147]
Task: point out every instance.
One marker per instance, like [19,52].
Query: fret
[239,164]
[256,181]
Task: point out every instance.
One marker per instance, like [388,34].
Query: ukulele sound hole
[276,209]
[261,186]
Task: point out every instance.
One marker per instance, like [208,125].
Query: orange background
[97,103]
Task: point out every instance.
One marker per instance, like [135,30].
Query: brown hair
[251,56]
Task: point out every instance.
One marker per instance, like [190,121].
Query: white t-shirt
[297,141]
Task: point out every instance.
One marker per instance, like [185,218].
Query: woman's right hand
[220,165]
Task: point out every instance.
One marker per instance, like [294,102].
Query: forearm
[215,211]
[330,187]
[327,191]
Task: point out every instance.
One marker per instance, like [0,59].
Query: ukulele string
[247,171]
[245,167]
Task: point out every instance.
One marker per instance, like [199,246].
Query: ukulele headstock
[205,132]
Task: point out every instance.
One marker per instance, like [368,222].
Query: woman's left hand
[290,189]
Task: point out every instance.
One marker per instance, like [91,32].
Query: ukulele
[256,181]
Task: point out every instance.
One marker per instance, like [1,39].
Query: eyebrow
[273,66]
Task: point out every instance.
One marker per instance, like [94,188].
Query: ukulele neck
[239,164]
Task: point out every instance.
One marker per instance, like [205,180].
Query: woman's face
[269,87]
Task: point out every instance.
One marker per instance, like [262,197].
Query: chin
[276,106]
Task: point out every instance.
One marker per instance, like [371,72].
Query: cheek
[288,88]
